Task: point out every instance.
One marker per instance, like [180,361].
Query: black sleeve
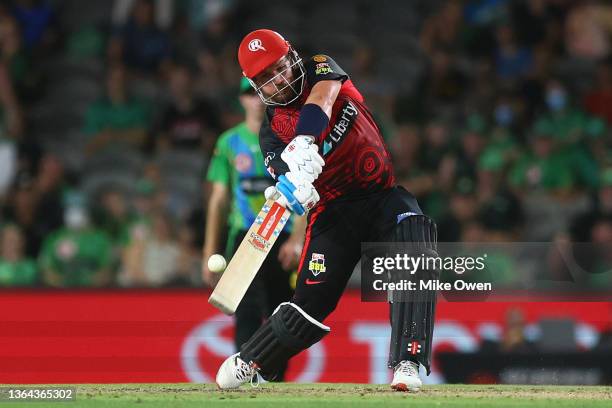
[322,68]
[271,148]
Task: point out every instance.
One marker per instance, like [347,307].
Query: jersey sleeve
[219,169]
[271,148]
[322,68]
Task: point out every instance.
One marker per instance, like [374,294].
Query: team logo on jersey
[344,122]
[317,264]
[256,45]
[323,68]
[243,162]
[319,58]
[269,157]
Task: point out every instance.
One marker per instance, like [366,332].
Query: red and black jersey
[356,159]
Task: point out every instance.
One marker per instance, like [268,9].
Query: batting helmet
[261,49]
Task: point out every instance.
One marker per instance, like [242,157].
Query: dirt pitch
[331,395]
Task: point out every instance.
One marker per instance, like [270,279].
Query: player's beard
[289,90]
[285,95]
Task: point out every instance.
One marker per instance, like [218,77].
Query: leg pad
[412,319]
[287,332]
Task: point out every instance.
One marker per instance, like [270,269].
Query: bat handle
[282,200]
[272,193]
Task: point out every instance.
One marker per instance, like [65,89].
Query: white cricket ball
[216,263]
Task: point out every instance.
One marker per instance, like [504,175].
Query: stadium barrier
[122,336]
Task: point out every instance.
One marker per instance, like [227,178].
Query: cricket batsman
[327,155]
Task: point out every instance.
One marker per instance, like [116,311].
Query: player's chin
[283,97]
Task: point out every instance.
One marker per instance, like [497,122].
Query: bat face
[249,257]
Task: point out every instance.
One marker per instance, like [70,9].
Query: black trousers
[270,287]
[333,240]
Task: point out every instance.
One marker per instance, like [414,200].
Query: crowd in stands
[497,114]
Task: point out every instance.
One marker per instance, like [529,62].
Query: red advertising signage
[176,336]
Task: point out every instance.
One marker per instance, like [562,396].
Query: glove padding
[296,193]
[303,158]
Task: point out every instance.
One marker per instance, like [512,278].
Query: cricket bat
[249,257]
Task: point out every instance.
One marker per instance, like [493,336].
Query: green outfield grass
[330,395]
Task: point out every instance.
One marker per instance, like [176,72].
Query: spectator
[202,14]
[11,127]
[513,338]
[14,56]
[436,168]
[442,30]
[8,165]
[78,254]
[38,22]
[113,215]
[587,31]
[512,60]
[11,120]
[216,38]
[532,16]
[598,100]
[50,185]
[586,157]
[117,120]
[471,145]
[140,44]
[163,12]
[189,260]
[21,210]
[500,210]
[15,268]
[601,238]
[463,211]
[601,208]
[543,167]
[567,122]
[436,144]
[443,83]
[37,203]
[146,203]
[377,91]
[187,123]
[406,148]
[154,259]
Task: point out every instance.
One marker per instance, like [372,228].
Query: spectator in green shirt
[543,167]
[113,215]
[567,122]
[15,268]
[117,118]
[77,255]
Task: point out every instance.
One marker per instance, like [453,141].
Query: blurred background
[497,114]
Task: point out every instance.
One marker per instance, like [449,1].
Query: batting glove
[303,158]
[297,194]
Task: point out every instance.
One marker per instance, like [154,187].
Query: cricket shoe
[234,372]
[406,377]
